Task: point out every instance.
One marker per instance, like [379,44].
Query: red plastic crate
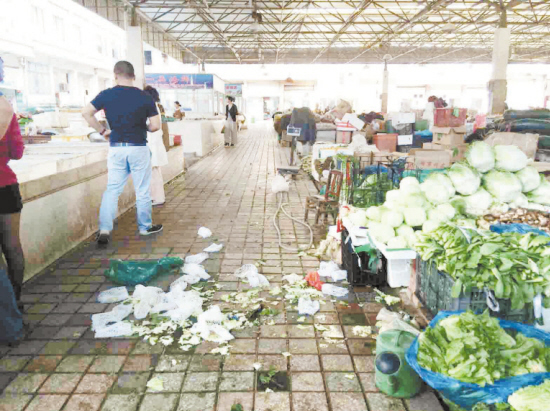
[443,117]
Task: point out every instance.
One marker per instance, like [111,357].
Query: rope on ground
[280,208]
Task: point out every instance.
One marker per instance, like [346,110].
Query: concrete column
[498,85]
[385,85]
[134,53]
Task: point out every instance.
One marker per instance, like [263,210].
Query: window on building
[99,45]
[59,27]
[77,32]
[38,15]
[39,78]
[148,56]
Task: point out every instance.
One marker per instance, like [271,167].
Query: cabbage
[529,177]
[438,188]
[478,203]
[438,216]
[373,213]
[521,202]
[358,217]
[447,210]
[510,158]
[393,205]
[465,179]
[381,232]
[414,200]
[504,186]
[430,226]
[392,218]
[397,242]
[541,194]
[404,231]
[409,185]
[481,156]
[414,216]
[394,196]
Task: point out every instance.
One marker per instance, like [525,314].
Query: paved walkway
[60,366]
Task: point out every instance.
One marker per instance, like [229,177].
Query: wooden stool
[329,203]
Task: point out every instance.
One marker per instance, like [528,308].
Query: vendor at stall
[178,114]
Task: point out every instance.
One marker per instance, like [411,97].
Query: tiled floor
[60,366]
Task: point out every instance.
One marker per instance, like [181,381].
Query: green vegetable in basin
[532,398]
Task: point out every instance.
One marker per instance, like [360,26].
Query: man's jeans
[122,162]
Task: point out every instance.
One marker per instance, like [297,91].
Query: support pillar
[498,85]
[385,85]
[134,53]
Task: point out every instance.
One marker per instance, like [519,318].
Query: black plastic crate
[356,264]
[433,289]
[405,148]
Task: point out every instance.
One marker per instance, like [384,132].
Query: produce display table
[199,136]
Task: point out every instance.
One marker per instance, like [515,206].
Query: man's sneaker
[103,238]
[153,230]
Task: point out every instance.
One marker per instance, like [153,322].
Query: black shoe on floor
[227,144]
[102,239]
[153,230]
[232,145]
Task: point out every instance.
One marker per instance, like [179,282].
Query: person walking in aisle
[231,112]
[11,148]
[159,157]
[127,109]
[178,114]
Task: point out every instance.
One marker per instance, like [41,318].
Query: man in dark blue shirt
[131,114]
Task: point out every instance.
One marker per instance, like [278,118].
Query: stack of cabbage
[490,177]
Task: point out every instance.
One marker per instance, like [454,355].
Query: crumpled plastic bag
[254,278]
[188,303]
[140,272]
[209,326]
[331,269]
[308,307]
[204,232]
[330,289]
[149,295]
[196,259]
[113,295]
[118,313]
[279,184]
[390,320]
[213,248]
[314,280]
[118,329]
[180,282]
[192,278]
[195,270]
[141,310]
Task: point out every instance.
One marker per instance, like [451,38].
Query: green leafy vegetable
[531,398]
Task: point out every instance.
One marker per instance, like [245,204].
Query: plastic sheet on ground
[113,295]
[308,307]
[331,269]
[209,326]
[333,290]
[466,394]
[118,329]
[213,248]
[389,320]
[196,258]
[204,232]
[195,270]
[140,272]
[254,278]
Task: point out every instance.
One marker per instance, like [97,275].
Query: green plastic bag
[140,272]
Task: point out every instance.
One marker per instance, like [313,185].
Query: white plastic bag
[122,311]
[141,310]
[213,248]
[113,295]
[307,307]
[196,259]
[195,270]
[102,319]
[292,278]
[332,270]
[192,278]
[164,307]
[279,184]
[149,295]
[204,232]
[250,272]
[180,282]
[118,329]
[330,289]
[212,316]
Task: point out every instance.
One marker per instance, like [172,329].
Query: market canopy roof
[364,31]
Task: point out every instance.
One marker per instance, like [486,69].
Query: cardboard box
[457,152]
[425,159]
[368,159]
[405,140]
[452,136]
[526,142]
[343,137]
[354,121]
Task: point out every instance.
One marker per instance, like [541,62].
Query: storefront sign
[235,90]
[180,81]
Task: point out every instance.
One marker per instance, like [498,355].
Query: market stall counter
[199,134]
